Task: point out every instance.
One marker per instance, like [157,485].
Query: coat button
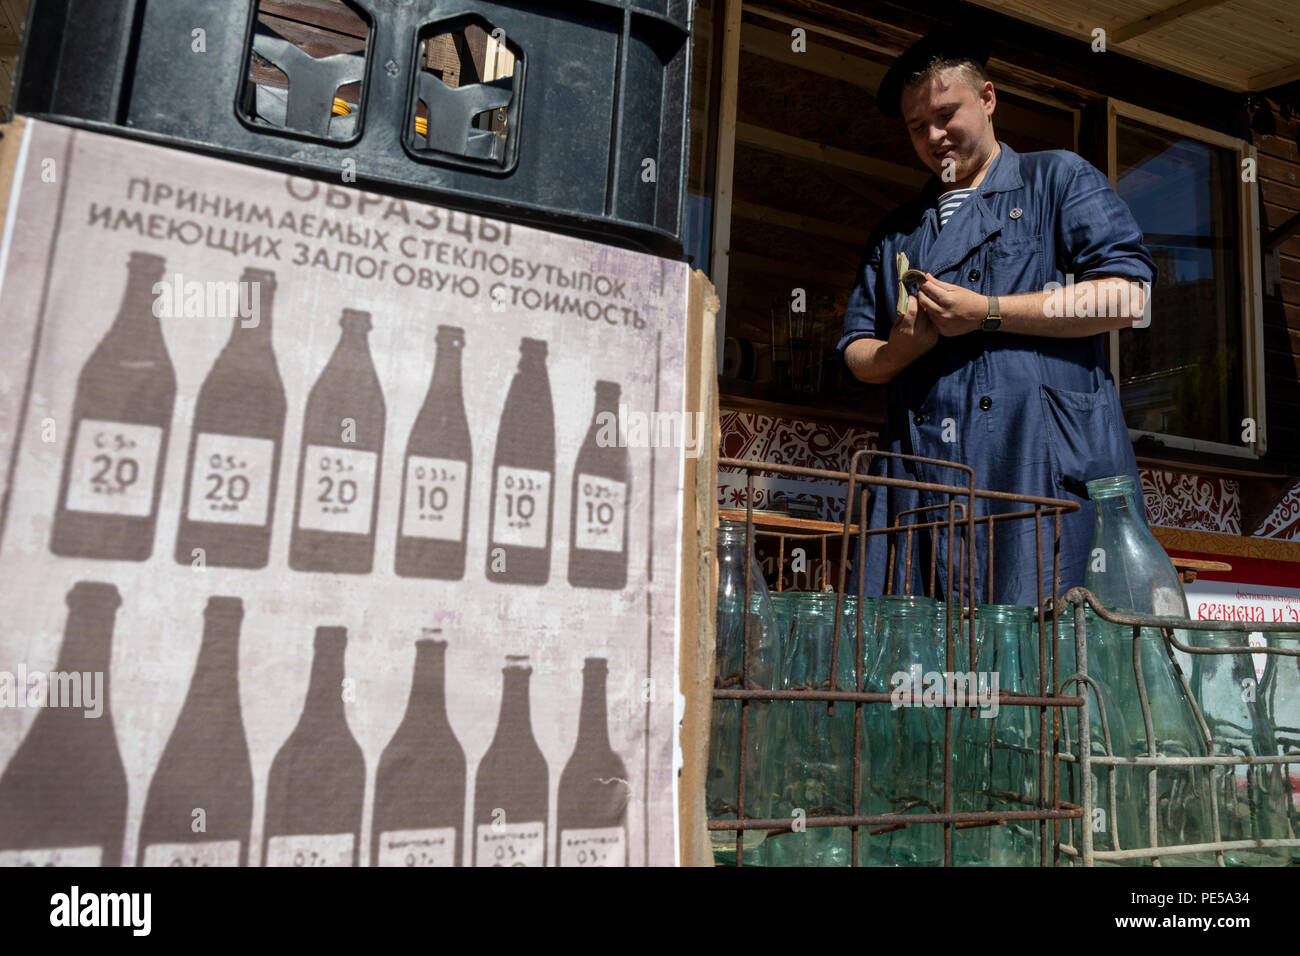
[918,419]
[974,275]
[986,403]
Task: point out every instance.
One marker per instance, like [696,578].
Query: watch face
[990,324]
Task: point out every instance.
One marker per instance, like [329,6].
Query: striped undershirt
[950,202]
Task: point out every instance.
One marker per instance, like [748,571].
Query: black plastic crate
[599,88]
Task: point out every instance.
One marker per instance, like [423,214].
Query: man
[986,367]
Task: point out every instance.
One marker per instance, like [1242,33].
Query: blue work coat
[1029,414]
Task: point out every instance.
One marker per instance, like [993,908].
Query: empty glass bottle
[1127,568]
[1252,797]
[1280,692]
[904,756]
[736,564]
[1114,821]
[815,776]
[997,748]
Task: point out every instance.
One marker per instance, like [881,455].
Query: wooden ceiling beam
[1158,19]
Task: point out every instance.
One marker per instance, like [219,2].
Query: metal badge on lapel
[1016,213]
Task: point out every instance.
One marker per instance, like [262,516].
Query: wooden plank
[1160,18]
[772,141]
[725,169]
[1266,81]
[800,223]
[699,576]
[776,522]
[326,14]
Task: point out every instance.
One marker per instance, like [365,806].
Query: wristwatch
[993,321]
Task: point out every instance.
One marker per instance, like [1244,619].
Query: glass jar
[1280,692]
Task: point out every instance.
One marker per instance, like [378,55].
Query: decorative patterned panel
[1284,523]
[1173,499]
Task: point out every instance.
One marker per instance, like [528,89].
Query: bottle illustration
[234,460]
[63,794]
[523,476]
[511,787]
[200,805]
[121,419]
[599,513]
[338,471]
[420,786]
[436,476]
[318,778]
[592,802]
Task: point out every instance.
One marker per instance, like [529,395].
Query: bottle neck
[428,700]
[88,637]
[217,672]
[593,721]
[446,385]
[325,690]
[515,720]
[252,331]
[136,321]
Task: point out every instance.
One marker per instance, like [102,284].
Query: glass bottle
[904,740]
[206,761]
[63,794]
[1127,567]
[436,478]
[815,772]
[1183,798]
[232,470]
[736,565]
[318,779]
[1252,799]
[591,808]
[339,467]
[1280,692]
[523,476]
[1117,826]
[121,420]
[420,785]
[511,789]
[996,766]
[598,514]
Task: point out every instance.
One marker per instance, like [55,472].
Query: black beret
[947,43]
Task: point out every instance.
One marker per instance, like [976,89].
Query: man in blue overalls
[988,366]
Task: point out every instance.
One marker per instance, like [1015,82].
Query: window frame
[1252,297]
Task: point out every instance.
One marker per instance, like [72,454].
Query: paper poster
[338,529]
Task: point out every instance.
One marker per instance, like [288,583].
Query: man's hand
[952,309]
[910,337]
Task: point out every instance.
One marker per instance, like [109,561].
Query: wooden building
[1191,108]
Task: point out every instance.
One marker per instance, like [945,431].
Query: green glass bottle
[736,564]
[997,762]
[904,757]
[1280,692]
[1252,798]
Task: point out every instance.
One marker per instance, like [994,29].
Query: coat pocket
[1083,437]
[1014,265]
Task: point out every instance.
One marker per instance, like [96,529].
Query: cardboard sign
[326,540]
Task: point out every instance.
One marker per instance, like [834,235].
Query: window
[1193,375]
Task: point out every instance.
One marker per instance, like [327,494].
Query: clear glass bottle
[1117,826]
[1280,692]
[903,741]
[1252,798]
[996,766]
[1127,567]
[736,564]
[815,775]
